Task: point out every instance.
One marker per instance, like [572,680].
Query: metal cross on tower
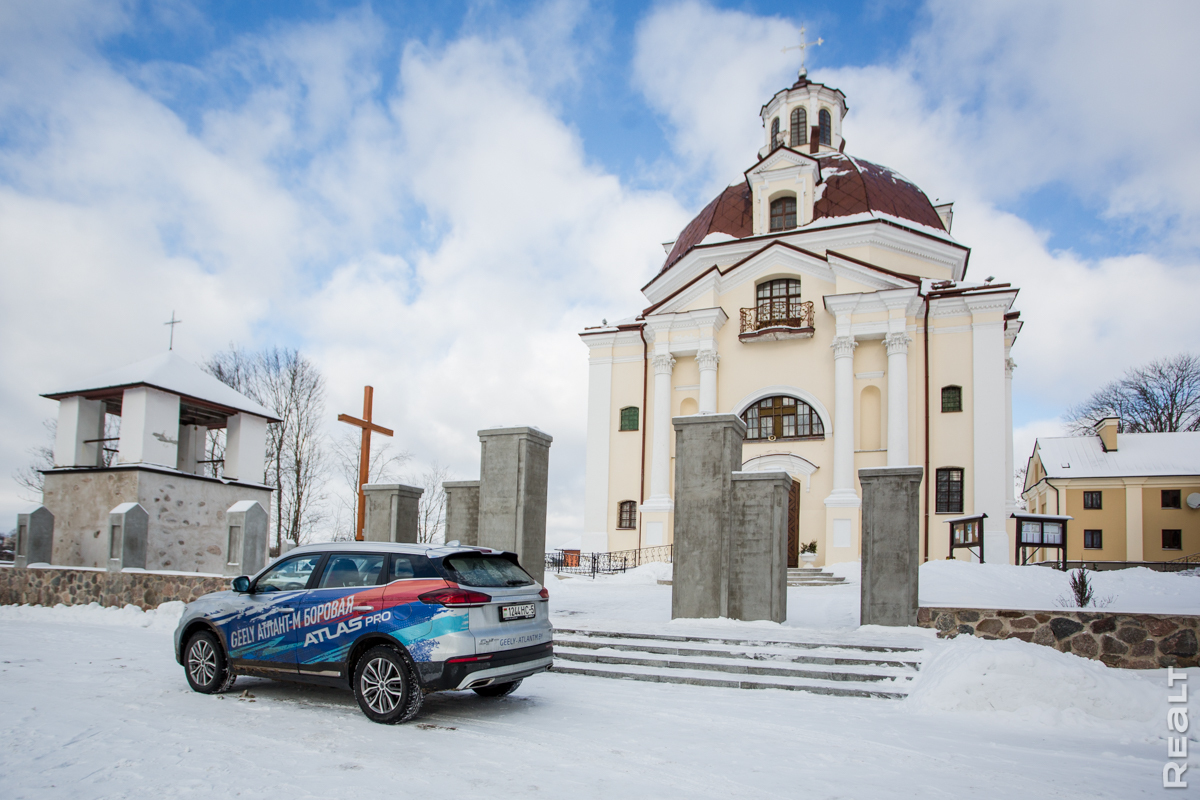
[172,323]
[364,455]
[803,48]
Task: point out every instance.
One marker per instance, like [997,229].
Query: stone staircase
[812,577]
[833,669]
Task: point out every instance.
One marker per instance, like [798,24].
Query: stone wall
[49,586]
[1131,641]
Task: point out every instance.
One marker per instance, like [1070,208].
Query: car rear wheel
[206,666]
[386,686]
[497,689]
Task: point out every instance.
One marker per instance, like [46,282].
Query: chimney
[1107,431]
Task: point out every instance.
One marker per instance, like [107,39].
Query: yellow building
[822,299]
[1133,496]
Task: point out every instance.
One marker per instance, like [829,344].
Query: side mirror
[241,584]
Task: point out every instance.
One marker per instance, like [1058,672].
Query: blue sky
[440,195]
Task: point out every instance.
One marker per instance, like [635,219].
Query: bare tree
[286,382]
[1163,396]
[30,477]
[384,467]
[431,509]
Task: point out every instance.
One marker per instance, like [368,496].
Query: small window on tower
[629,418]
[775,138]
[951,398]
[826,122]
[783,214]
[627,514]
[799,126]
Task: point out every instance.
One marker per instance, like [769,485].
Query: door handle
[363,608]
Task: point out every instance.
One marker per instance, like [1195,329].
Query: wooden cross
[364,456]
[172,323]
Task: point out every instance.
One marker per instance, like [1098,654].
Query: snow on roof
[1137,455]
[170,373]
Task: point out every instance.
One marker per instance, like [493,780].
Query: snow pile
[165,617]
[960,584]
[650,573]
[1035,683]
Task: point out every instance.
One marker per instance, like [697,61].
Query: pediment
[782,158]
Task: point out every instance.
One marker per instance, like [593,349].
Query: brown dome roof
[847,186]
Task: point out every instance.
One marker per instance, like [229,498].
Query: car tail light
[465,659]
[544,593]
[454,597]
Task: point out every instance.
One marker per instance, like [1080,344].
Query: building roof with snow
[1138,455]
[202,394]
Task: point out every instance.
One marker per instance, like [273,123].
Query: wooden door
[793,525]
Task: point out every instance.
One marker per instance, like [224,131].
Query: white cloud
[444,242]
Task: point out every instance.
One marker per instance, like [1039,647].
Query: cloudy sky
[436,197]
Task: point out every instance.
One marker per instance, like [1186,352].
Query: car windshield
[485,570]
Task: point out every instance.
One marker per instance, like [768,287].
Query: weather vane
[172,323]
[803,48]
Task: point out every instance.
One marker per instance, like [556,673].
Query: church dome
[848,187]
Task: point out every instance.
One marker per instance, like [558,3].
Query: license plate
[522,611]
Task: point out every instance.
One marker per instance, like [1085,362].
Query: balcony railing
[778,319]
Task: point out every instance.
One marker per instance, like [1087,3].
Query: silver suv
[392,621]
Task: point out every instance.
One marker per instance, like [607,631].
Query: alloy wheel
[382,685]
[202,662]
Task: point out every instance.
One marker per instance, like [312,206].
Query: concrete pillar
[35,537]
[660,455]
[128,531]
[708,449]
[1010,497]
[891,546]
[245,448]
[599,437]
[897,411]
[843,419]
[392,512]
[462,512]
[987,416]
[513,476]
[192,442]
[248,525]
[708,360]
[758,546]
[149,428]
[80,424]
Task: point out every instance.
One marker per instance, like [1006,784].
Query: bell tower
[806,117]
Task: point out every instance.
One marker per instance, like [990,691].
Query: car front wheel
[386,686]
[206,666]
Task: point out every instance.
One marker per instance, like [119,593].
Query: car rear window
[485,570]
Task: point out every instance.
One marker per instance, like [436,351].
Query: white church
[823,299]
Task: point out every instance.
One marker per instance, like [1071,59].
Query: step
[746,642]
[695,677]
[729,666]
[826,655]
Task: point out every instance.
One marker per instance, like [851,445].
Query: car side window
[347,570]
[288,576]
[405,566]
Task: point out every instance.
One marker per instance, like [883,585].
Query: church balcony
[777,320]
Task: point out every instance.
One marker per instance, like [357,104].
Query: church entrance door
[793,526]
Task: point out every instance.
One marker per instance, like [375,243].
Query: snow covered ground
[94,706]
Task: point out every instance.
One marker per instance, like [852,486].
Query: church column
[708,360]
[987,417]
[897,386]
[660,464]
[599,435]
[843,419]
[1010,500]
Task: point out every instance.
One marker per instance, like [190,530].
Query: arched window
[782,418]
[627,514]
[783,214]
[950,490]
[951,398]
[826,122]
[629,418]
[799,126]
[778,302]
[775,142]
